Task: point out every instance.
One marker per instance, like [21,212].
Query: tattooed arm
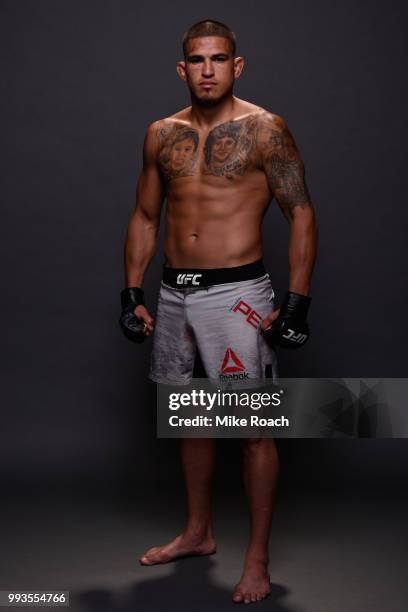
[144,223]
[285,172]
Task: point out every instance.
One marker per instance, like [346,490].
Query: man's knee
[254,445]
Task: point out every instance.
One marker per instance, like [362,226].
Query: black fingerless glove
[290,329]
[130,324]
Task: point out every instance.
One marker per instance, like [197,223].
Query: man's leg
[225,321]
[198,460]
[260,472]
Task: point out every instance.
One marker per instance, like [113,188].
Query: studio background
[80,83]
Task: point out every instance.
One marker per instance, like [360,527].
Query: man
[219,162]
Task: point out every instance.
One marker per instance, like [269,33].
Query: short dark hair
[209,27]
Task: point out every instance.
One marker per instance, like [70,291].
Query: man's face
[181,153]
[209,68]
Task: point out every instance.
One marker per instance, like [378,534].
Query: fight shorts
[218,313]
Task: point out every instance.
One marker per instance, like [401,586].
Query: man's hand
[268,320]
[142,313]
[287,325]
[135,321]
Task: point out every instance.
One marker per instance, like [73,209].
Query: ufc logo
[184,279]
[293,337]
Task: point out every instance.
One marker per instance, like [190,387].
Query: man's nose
[208,68]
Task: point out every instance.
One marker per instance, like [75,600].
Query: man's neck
[206,117]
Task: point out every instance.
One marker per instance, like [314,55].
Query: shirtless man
[219,162]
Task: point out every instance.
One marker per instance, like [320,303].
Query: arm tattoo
[178,146]
[284,167]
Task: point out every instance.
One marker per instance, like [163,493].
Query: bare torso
[217,192]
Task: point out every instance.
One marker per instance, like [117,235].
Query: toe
[238,597]
[150,556]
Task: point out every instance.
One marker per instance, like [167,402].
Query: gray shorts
[222,322]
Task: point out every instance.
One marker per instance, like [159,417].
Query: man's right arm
[143,226]
[135,320]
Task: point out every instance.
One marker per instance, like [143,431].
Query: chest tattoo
[228,150]
[178,151]
[230,147]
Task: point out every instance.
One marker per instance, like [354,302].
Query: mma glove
[290,329]
[130,324]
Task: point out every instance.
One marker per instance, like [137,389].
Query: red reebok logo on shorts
[231,363]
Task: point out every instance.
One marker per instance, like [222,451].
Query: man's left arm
[285,172]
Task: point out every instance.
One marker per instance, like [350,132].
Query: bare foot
[181,546]
[254,584]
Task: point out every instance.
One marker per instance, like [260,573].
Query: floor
[329,552]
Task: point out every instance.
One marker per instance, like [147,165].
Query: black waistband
[203,277]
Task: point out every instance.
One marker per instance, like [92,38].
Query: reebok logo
[232,367]
[185,279]
[231,363]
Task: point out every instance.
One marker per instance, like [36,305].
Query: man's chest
[228,151]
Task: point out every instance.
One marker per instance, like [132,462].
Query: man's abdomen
[213,236]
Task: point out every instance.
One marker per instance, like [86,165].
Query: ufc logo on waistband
[184,279]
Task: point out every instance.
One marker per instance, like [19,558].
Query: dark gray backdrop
[80,83]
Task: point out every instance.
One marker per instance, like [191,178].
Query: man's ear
[181,69]
[239,63]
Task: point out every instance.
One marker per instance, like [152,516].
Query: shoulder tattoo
[282,163]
